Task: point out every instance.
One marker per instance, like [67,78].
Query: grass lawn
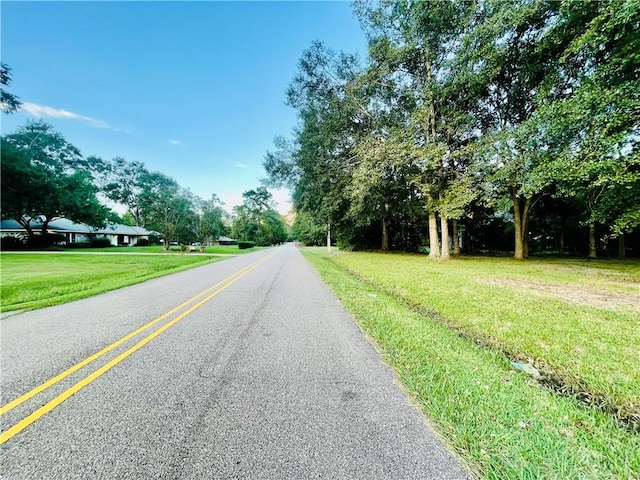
[450,329]
[30,281]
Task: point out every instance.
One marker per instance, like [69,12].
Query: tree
[307,231]
[505,58]
[207,223]
[164,206]
[45,177]
[23,186]
[595,124]
[318,162]
[488,109]
[256,220]
[8,103]
[124,182]
[411,45]
[381,187]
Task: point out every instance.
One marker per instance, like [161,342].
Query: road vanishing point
[247,368]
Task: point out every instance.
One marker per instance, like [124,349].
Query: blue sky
[195,90]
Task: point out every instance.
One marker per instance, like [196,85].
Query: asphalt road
[262,376]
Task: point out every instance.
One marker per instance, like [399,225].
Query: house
[78,232]
[227,241]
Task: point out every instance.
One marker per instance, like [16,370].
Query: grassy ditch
[450,330]
[30,281]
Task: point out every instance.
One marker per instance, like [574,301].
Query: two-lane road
[245,368]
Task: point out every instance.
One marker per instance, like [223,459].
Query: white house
[78,232]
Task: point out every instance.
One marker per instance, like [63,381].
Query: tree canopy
[45,177]
[473,114]
[257,221]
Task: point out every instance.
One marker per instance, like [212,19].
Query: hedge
[246,244]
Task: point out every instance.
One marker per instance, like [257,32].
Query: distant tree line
[495,125]
[45,177]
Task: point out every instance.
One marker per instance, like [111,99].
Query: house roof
[66,225]
[10,225]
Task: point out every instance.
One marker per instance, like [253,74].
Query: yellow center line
[40,388]
[24,423]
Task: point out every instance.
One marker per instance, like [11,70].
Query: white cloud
[240,165]
[44,111]
[175,142]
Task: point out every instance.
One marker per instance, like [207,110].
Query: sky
[195,90]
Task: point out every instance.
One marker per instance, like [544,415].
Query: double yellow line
[208,294]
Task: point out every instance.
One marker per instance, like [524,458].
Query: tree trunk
[622,251]
[592,240]
[521,223]
[444,227]
[434,248]
[517,222]
[385,236]
[525,236]
[26,223]
[456,237]
[45,225]
[329,237]
[561,242]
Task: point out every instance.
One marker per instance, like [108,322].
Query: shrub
[46,240]
[143,242]
[79,245]
[101,242]
[12,243]
[245,244]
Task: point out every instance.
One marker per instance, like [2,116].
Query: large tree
[44,177]
[319,161]
[123,182]
[207,223]
[411,46]
[165,207]
[483,111]
[256,220]
[591,114]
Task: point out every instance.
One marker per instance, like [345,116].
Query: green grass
[450,328]
[30,281]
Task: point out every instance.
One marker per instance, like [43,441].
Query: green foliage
[45,240]
[468,106]
[79,245]
[10,243]
[100,242]
[44,176]
[243,244]
[9,103]
[256,220]
[306,230]
[207,223]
